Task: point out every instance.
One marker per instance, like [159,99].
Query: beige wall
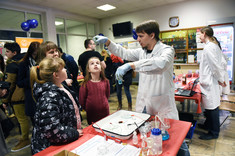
[191,14]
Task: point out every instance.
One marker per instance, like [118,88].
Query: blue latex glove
[122,71]
[100,39]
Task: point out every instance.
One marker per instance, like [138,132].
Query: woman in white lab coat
[211,76]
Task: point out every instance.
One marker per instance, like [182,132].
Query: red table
[197,97]
[177,131]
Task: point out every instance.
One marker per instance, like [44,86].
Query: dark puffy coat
[23,81]
[16,94]
[55,119]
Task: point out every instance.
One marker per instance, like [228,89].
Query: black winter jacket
[16,94]
[55,119]
[23,81]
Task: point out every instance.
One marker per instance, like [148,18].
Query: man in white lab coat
[211,77]
[154,62]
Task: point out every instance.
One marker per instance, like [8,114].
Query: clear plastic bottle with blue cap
[156,134]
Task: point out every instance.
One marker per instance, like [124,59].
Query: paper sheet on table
[89,148]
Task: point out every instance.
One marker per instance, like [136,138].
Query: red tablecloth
[197,97]
[177,131]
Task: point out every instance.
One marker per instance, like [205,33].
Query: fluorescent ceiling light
[213,21]
[58,23]
[106,7]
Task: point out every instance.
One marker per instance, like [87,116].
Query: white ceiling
[88,7]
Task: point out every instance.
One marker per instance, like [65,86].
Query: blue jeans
[183,151]
[127,92]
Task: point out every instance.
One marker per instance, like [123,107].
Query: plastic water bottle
[135,138]
[157,140]
[144,148]
[120,82]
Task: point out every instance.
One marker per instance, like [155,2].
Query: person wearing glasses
[90,52]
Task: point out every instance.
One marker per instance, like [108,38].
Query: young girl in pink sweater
[95,91]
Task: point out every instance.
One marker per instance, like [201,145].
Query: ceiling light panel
[106,7]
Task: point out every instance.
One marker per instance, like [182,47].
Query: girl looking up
[57,118]
[95,91]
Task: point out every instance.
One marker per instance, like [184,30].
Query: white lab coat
[211,72]
[156,87]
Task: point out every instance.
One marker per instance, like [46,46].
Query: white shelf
[186,64]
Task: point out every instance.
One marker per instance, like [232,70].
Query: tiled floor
[223,146]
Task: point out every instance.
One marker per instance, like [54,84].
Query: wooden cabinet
[185,44]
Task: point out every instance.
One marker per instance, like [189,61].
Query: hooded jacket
[16,94]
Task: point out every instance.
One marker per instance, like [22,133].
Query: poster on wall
[224,34]
[133,45]
[25,42]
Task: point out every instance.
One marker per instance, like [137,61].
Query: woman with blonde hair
[50,50]
[57,117]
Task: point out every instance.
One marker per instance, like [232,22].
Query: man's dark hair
[149,27]
[12,47]
[60,49]
[86,43]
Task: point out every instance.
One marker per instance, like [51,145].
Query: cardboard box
[65,153]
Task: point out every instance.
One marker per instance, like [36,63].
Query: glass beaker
[164,121]
[164,125]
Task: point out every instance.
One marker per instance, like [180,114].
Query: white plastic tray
[121,124]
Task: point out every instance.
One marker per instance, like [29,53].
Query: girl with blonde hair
[57,117]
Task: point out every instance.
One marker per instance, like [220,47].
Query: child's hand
[80,131]
[69,82]
[4,106]
[3,92]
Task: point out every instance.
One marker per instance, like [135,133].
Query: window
[10,25]
[11,20]
[38,18]
[91,29]
[61,39]
[71,35]
[59,23]
[75,27]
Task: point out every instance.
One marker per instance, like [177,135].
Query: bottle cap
[156,131]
